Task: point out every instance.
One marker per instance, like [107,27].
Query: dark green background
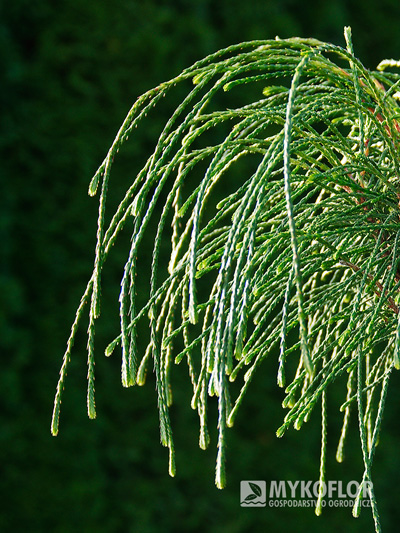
[69,73]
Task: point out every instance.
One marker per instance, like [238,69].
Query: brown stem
[378,288]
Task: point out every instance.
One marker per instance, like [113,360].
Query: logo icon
[253,494]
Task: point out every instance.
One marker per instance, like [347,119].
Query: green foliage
[300,253]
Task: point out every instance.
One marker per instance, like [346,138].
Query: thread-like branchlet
[273,225]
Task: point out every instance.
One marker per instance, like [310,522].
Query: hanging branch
[305,243]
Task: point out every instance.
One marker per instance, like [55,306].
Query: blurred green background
[70,71]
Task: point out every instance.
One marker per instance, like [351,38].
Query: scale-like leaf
[275,222]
